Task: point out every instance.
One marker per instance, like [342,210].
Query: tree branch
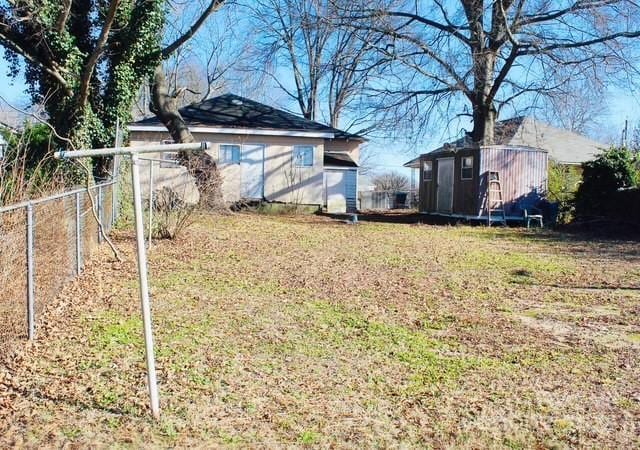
[14,46]
[61,22]
[90,65]
[213,7]
[572,45]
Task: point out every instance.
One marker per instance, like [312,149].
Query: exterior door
[336,191]
[445,186]
[252,171]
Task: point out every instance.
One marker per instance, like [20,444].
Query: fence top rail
[53,197]
[154,148]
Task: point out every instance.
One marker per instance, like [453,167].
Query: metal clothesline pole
[150,201]
[144,289]
[133,152]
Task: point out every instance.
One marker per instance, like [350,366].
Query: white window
[230,154]
[467,168]
[303,155]
[427,170]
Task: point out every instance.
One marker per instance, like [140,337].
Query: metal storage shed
[453,180]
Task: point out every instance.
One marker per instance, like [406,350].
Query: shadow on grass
[589,288]
[81,405]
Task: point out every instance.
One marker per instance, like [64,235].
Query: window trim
[463,168]
[296,148]
[230,145]
[424,172]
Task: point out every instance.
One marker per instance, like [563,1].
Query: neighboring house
[453,178]
[264,153]
[563,146]
[11,122]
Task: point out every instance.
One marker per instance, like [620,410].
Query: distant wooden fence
[384,200]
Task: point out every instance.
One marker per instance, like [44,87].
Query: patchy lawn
[276,331]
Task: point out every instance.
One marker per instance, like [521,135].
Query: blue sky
[622,105]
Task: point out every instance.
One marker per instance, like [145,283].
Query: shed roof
[563,146]
[233,111]
[339,159]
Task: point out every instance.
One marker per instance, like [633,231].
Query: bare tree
[196,72]
[391,181]
[319,65]
[579,107]
[634,143]
[489,54]
[292,32]
[164,103]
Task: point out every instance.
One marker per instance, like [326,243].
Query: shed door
[445,185]
[252,171]
[336,191]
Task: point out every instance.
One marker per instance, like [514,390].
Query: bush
[602,178]
[172,214]
[28,169]
[562,187]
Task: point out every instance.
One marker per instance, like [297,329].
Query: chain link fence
[44,243]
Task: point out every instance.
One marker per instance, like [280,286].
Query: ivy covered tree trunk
[85,61]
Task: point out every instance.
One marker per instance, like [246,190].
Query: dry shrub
[28,169]
[172,214]
[208,179]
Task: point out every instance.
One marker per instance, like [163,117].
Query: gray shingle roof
[563,146]
[233,111]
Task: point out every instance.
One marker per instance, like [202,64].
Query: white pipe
[144,289]
[156,148]
[150,200]
[162,161]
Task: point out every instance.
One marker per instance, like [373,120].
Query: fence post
[114,189]
[99,214]
[78,236]
[114,211]
[30,274]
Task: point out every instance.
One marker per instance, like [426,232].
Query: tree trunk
[165,107]
[484,112]
[484,124]
[200,165]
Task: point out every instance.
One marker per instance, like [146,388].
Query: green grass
[276,331]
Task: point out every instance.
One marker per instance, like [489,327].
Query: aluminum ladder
[495,203]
